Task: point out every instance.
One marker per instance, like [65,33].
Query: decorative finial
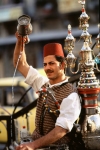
[82,2]
[99,25]
[98,39]
[69,27]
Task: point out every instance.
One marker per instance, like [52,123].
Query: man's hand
[27,146]
[23,39]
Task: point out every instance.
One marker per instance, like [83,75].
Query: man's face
[52,67]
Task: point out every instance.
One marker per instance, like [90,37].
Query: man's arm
[19,51]
[54,135]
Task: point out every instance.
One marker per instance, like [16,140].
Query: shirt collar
[57,83]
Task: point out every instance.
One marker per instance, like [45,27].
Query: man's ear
[63,65]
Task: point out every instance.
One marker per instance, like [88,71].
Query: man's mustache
[48,71]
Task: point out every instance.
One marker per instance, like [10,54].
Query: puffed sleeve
[35,79]
[69,111]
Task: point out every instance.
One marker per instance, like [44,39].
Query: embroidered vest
[47,123]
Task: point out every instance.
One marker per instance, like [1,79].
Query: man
[59,107]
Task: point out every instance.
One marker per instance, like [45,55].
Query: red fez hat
[53,49]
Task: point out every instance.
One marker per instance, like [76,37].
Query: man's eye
[44,64]
[51,63]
